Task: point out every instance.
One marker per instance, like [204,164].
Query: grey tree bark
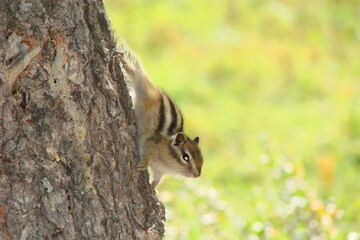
[67,132]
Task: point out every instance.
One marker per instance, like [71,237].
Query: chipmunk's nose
[196,175]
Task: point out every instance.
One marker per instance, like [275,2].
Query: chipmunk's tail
[137,80]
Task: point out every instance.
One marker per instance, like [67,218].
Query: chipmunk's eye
[186,157]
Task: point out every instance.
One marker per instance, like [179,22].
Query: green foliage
[273,90]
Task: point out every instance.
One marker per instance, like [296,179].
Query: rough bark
[67,132]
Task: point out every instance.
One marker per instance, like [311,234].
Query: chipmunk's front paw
[141,167]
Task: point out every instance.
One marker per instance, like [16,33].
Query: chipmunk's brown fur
[161,143]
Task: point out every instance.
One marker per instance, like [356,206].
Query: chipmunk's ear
[179,139]
[196,140]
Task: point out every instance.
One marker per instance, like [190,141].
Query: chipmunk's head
[188,156]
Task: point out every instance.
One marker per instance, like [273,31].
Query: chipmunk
[161,143]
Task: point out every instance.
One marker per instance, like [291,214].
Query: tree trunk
[67,130]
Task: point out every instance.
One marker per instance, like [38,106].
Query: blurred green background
[273,90]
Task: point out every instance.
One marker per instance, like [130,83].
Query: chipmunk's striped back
[170,117]
[153,107]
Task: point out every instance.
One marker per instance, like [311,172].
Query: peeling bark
[67,130]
